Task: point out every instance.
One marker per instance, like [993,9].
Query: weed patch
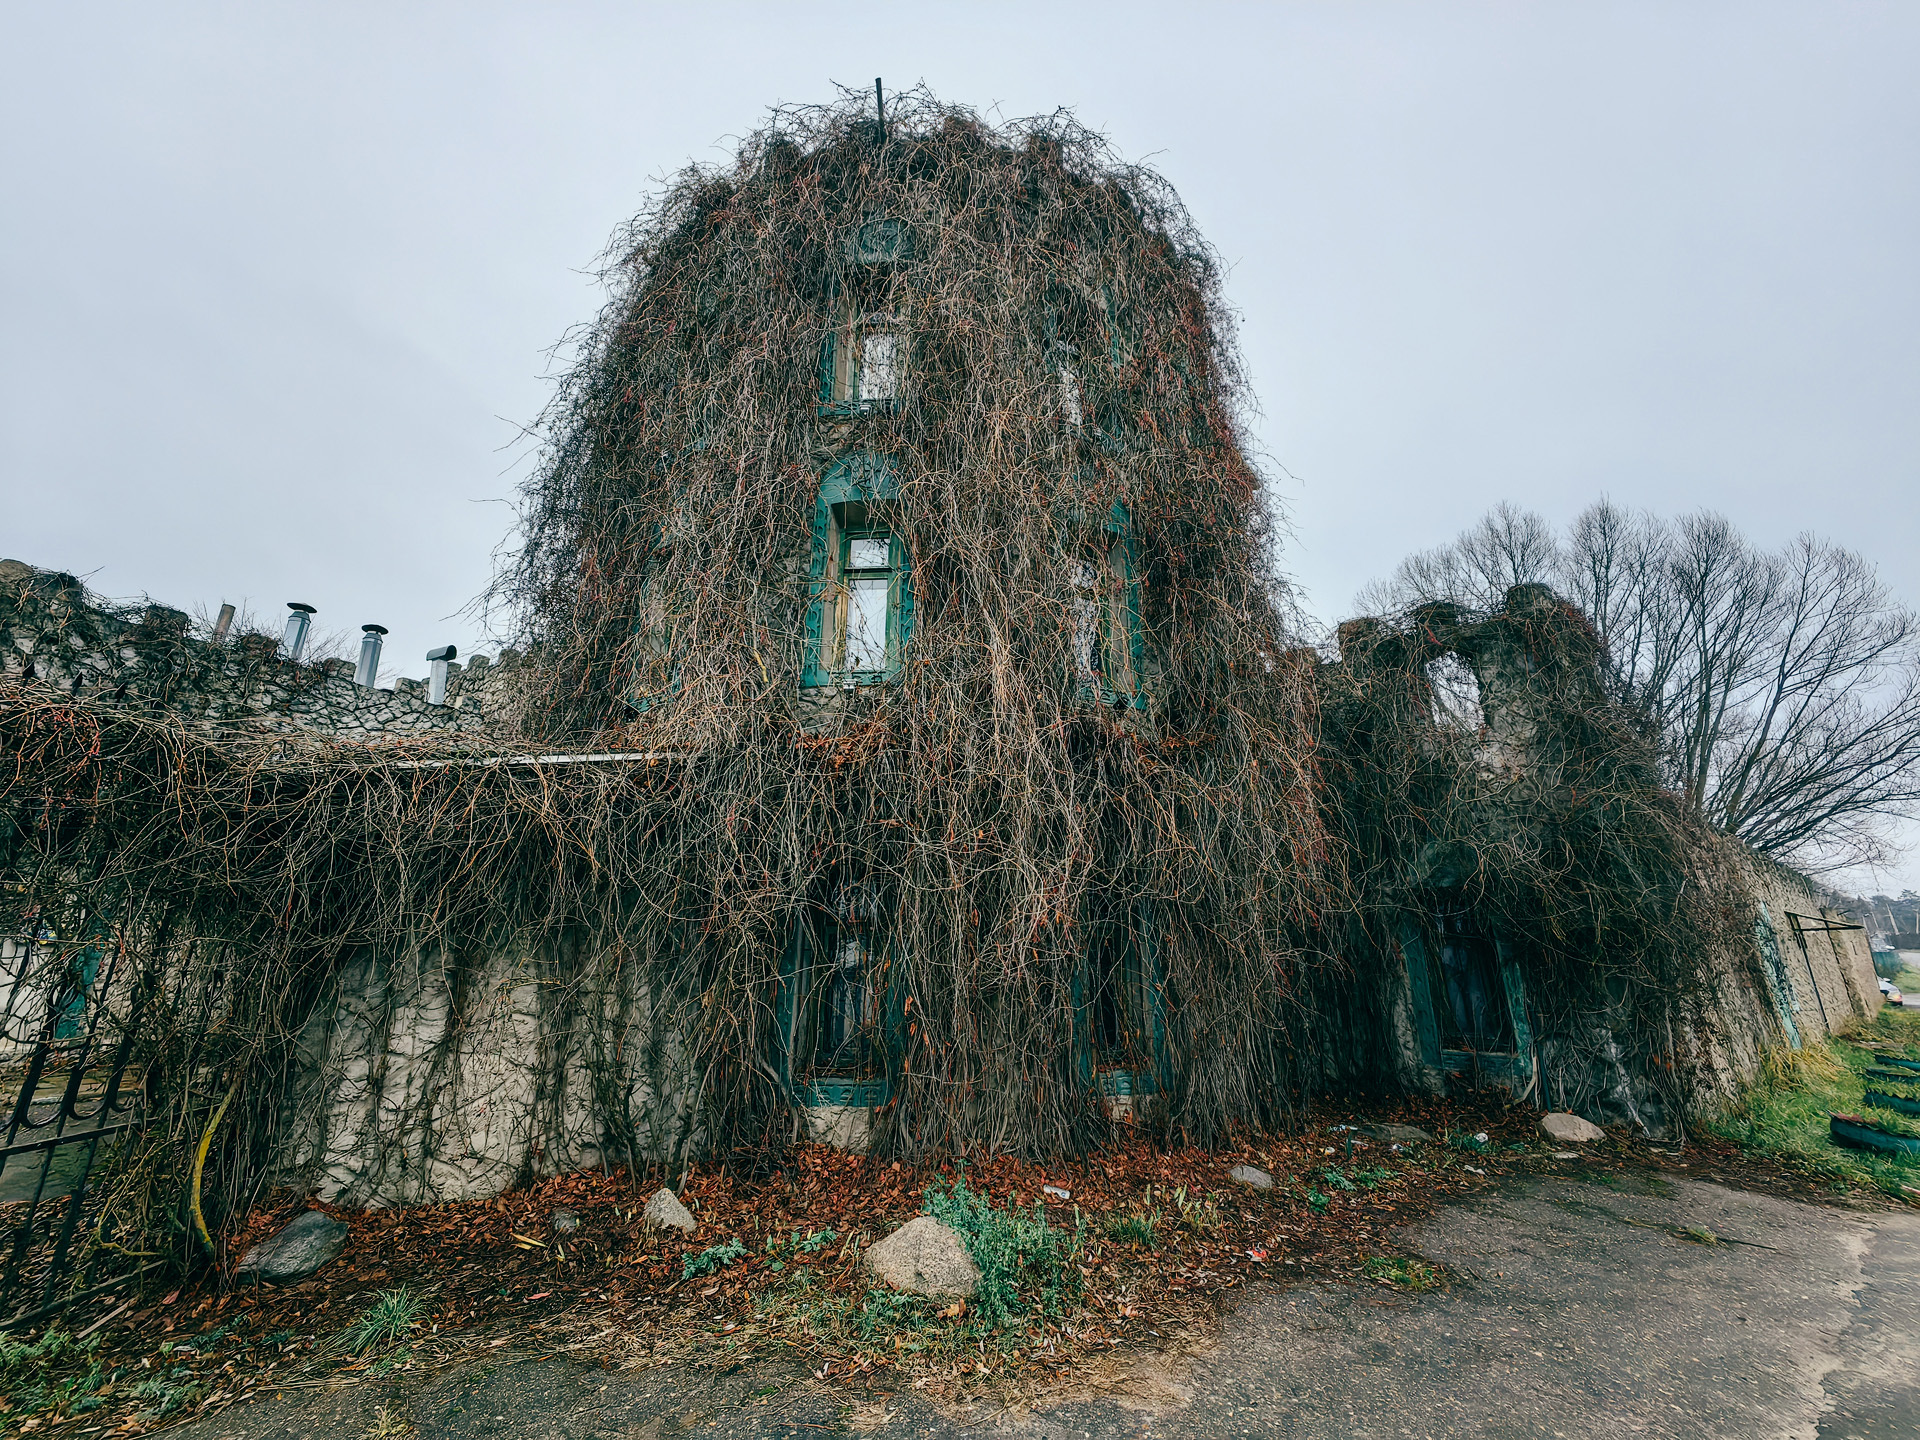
[1784,1113]
[1403,1272]
[1017,1250]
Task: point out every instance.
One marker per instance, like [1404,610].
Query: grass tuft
[391,1317]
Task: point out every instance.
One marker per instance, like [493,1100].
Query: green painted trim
[1419,966]
[862,476]
[831,1091]
[1516,987]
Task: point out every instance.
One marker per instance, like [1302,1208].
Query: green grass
[1023,1260]
[1403,1272]
[391,1317]
[54,1374]
[1785,1112]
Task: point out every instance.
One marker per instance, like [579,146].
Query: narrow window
[860,614]
[1456,693]
[880,357]
[863,364]
[1475,1015]
[1104,617]
[1087,639]
[867,566]
[848,1025]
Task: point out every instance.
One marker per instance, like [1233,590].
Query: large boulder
[296,1250]
[1571,1129]
[665,1212]
[927,1258]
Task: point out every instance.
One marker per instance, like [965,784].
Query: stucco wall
[423,1079]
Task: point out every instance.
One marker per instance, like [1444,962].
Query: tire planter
[1899,1104]
[1856,1134]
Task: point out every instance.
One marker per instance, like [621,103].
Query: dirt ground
[1585,1303]
[1356,1296]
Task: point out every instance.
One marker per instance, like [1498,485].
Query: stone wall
[423,1079]
[151,657]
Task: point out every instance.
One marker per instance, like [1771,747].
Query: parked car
[1891,991]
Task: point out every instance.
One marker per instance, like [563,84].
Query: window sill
[855,1094]
[1493,1064]
[851,410]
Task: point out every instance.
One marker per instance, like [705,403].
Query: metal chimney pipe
[299,622]
[222,623]
[437,676]
[368,670]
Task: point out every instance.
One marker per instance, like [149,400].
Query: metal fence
[71,1099]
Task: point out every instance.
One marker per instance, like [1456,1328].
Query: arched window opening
[1456,693]
[1104,604]
[861,613]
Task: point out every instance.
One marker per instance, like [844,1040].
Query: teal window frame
[806,967]
[851,485]
[1120,613]
[848,333]
[1141,1067]
[1514,1069]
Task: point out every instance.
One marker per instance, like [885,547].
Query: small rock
[1566,1154]
[925,1257]
[1399,1134]
[665,1211]
[566,1221]
[1248,1175]
[1571,1129]
[296,1250]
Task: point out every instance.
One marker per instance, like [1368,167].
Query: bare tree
[1785,687]
[1509,546]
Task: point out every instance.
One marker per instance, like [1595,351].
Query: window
[863,362]
[836,1017]
[1456,694]
[1072,403]
[867,572]
[1122,1025]
[1104,600]
[847,1020]
[861,612]
[1474,1012]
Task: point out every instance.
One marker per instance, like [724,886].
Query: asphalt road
[1581,1308]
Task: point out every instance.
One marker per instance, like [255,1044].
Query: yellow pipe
[200,1165]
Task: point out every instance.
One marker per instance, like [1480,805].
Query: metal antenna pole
[880,107]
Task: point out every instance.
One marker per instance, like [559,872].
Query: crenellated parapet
[55,634]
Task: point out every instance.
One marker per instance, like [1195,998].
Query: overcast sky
[278,283]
